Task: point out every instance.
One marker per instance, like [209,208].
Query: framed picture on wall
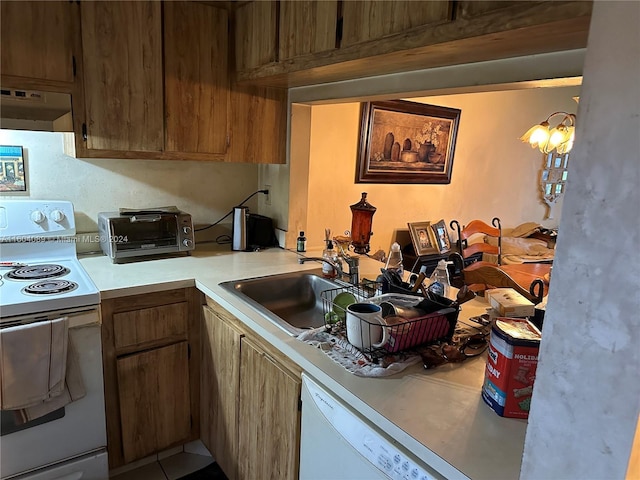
[442,240]
[422,238]
[406,142]
[13,176]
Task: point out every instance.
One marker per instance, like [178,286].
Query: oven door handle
[145,218]
[77,318]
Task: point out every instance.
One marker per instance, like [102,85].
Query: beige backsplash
[206,190]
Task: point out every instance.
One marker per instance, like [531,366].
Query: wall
[494,174]
[290,183]
[207,190]
[586,398]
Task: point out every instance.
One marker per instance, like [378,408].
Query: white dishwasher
[336,444]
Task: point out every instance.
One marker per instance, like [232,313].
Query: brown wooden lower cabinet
[269,423]
[219,390]
[153,389]
[151,377]
[250,397]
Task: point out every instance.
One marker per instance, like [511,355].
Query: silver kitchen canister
[239,235]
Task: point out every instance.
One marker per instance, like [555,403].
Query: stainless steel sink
[290,300]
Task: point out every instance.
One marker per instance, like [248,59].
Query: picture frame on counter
[406,142]
[423,238]
[441,234]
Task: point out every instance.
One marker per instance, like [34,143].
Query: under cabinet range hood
[35,110]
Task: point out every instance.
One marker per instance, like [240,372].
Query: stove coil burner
[50,287]
[37,272]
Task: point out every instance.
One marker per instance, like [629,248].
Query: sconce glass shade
[566,146]
[537,136]
[559,138]
[361,221]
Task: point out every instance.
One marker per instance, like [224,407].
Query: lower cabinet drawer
[139,328]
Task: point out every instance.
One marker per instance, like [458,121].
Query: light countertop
[438,415]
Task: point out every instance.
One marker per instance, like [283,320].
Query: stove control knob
[186,230]
[187,242]
[57,216]
[37,216]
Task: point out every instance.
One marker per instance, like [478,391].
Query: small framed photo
[442,240]
[423,239]
[13,177]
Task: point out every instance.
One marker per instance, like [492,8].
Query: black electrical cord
[223,239]
[231,212]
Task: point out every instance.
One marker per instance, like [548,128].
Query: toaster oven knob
[186,230]
[57,216]
[187,242]
[37,216]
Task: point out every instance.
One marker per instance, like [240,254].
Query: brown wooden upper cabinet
[155,84]
[267,32]
[258,125]
[196,77]
[382,37]
[37,43]
[473,8]
[255,34]
[365,21]
[122,66]
[307,27]
[154,89]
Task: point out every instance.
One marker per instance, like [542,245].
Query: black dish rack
[403,335]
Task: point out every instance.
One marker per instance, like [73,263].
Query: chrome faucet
[352,276]
[336,265]
[354,265]
[354,273]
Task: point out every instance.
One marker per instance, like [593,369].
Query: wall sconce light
[547,139]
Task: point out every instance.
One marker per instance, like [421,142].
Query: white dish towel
[33,362]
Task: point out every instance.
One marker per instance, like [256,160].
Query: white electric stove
[40,271]
[41,279]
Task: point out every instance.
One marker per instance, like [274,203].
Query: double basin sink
[292,301]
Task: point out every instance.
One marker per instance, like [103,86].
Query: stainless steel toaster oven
[128,233]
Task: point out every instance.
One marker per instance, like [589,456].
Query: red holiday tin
[511,366]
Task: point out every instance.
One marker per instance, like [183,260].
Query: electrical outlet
[267,199]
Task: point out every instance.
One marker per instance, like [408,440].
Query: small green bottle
[301,244]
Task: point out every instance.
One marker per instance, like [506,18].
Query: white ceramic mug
[364,330]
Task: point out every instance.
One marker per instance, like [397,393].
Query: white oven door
[77,437]
[93,466]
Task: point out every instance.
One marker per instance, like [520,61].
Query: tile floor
[167,468]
